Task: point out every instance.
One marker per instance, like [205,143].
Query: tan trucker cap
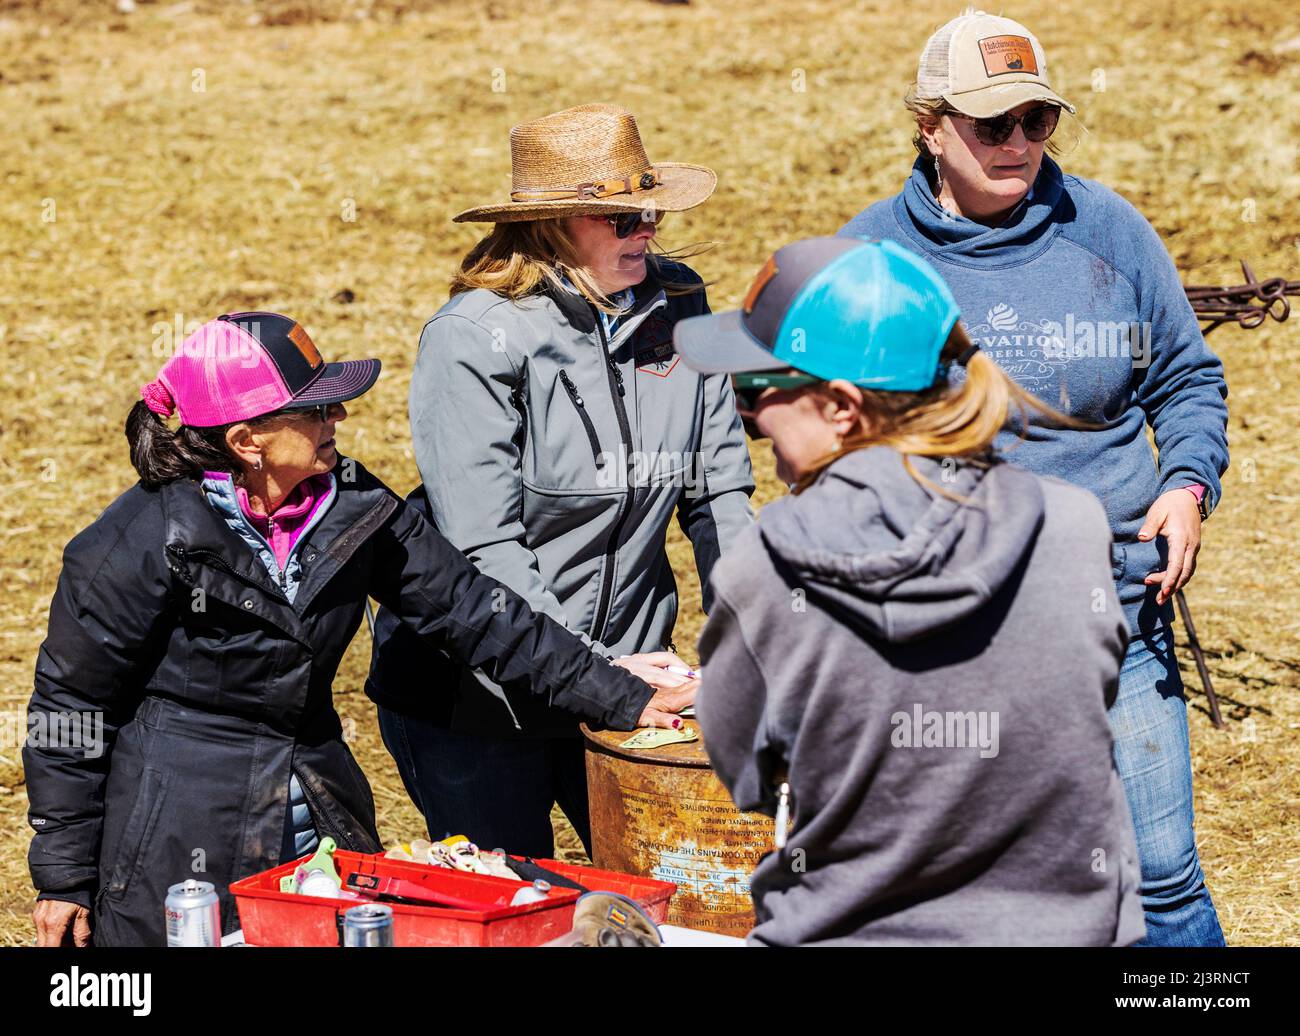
[984,65]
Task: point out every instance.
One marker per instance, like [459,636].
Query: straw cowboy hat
[589,160]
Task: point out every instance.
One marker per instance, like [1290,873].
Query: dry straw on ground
[190,158]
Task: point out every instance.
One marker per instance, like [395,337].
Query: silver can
[534,893]
[193,914]
[370,924]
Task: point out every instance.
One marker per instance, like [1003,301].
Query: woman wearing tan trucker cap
[1071,291]
[558,437]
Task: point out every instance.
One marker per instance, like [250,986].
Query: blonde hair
[929,110]
[517,259]
[945,420]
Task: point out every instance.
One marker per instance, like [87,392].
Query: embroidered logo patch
[1005,54]
[654,348]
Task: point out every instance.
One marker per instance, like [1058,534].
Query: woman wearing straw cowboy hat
[202,617]
[557,436]
[1069,288]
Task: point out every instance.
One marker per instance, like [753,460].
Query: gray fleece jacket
[556,455]
[933,678]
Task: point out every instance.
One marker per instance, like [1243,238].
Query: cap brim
[339,383]
[988,101]
[718,343]
[681,186]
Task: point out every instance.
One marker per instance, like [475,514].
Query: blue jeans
[1149,724]
[497,792]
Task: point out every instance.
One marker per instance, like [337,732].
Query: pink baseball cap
[244,365]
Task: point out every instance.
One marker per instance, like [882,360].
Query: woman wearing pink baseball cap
[198,624]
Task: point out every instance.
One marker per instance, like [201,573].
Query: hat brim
[681,186]
[988,101]
[719,343]
[338,383]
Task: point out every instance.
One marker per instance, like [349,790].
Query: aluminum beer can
[193,914]
[370,924]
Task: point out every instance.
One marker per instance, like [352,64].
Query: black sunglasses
[1038,123]
[750,385]
[321,411]
[626,224]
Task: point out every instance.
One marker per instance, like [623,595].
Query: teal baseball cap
[870,312]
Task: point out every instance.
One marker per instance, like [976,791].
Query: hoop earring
[257,464]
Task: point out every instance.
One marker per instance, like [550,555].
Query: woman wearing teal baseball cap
[919,645]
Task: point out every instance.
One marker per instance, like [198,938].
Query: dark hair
[160,455]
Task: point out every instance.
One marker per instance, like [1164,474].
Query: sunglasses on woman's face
[749,386]
[319,411]
[1038,123]
[627,224]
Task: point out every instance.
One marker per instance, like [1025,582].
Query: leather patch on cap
[768,271]
[1005,54]
[298,336]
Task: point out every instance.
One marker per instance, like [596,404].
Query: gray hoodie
[933,678]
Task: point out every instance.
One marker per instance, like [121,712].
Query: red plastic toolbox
[270,917]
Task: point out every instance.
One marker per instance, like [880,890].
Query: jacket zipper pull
[618,374]
[782,815]
[571,388]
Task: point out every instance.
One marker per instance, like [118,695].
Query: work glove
[608,919]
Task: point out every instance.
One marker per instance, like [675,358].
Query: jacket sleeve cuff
[81,896]
[627,713]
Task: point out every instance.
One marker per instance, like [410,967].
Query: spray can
[318,876]
[193,914]
[370,924]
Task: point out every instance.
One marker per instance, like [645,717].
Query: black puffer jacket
[212,688]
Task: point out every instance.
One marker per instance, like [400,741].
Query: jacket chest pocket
[588,425]
[573,439]
[669,413]
[228,662]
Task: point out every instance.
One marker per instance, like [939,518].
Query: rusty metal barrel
[663,812]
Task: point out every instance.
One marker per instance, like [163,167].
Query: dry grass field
[184,159]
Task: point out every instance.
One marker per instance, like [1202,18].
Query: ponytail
[945,420]
[160,455]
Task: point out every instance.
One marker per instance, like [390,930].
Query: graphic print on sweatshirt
[1081,362]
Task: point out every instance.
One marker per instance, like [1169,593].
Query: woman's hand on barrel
[55,918]
[674,691]
[659,710]
[656,668]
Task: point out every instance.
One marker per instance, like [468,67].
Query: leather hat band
[595,189]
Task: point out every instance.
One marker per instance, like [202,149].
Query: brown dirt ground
[133,199]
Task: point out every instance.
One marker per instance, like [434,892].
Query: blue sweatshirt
[1077,300]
